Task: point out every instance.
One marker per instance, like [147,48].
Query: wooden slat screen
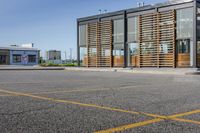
[166,38]
[99,44]
[92,44]
[105,44]
[157,39]
[148,40]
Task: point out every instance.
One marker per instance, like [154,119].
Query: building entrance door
[133,55]
[183,53]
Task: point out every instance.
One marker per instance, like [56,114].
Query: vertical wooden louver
[92,44]
[99,44]
[148,40]
[166,37]
[105,43]
[157,39]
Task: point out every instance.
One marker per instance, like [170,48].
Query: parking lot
[101,102]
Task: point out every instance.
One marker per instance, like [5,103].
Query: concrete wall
[24,57]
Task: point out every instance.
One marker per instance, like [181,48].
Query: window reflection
[83,56]
[133,51]
[183,46]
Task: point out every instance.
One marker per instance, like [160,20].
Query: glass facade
[133,30]
[184,31]
[82,35]
[133,45]
[184,23]
[132,54]
[82,44]
[118,31]
[118,43]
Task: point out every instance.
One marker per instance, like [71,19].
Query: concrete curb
[167,71]
[193,73]
[32,68]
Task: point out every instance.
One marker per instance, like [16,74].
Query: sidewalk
[177,71]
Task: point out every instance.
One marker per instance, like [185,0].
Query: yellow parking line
[187,121]
[69,102]
[185,114]
[158,118]
[68,91]
[126,127]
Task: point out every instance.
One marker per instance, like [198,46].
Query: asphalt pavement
[102,102]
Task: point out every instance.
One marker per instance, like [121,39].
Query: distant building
[16,55]
[54,56]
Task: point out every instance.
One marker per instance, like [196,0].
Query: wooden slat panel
[105,44]
[92,41]
[167,34]
[156,30]
[148,40]
[99,44]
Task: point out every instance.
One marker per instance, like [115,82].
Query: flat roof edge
[136,9]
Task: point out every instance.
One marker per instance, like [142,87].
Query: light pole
[65,56]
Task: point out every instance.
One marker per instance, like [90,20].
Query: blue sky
[50,24]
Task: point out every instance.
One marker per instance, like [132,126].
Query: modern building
[16,55]
[54,56]
[160,35]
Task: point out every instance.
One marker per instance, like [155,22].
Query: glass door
[132,57]
[183,53]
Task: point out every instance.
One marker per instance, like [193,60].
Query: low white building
[53,56]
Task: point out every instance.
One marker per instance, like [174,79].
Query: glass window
[118,31]
[83,56]
[82,35]
[16,58]
[184,23]
[32,58]
[118,52]
[183,46]
[133,29]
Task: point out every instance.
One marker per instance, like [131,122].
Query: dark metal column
[78,48]
[194,35]
[125,39]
